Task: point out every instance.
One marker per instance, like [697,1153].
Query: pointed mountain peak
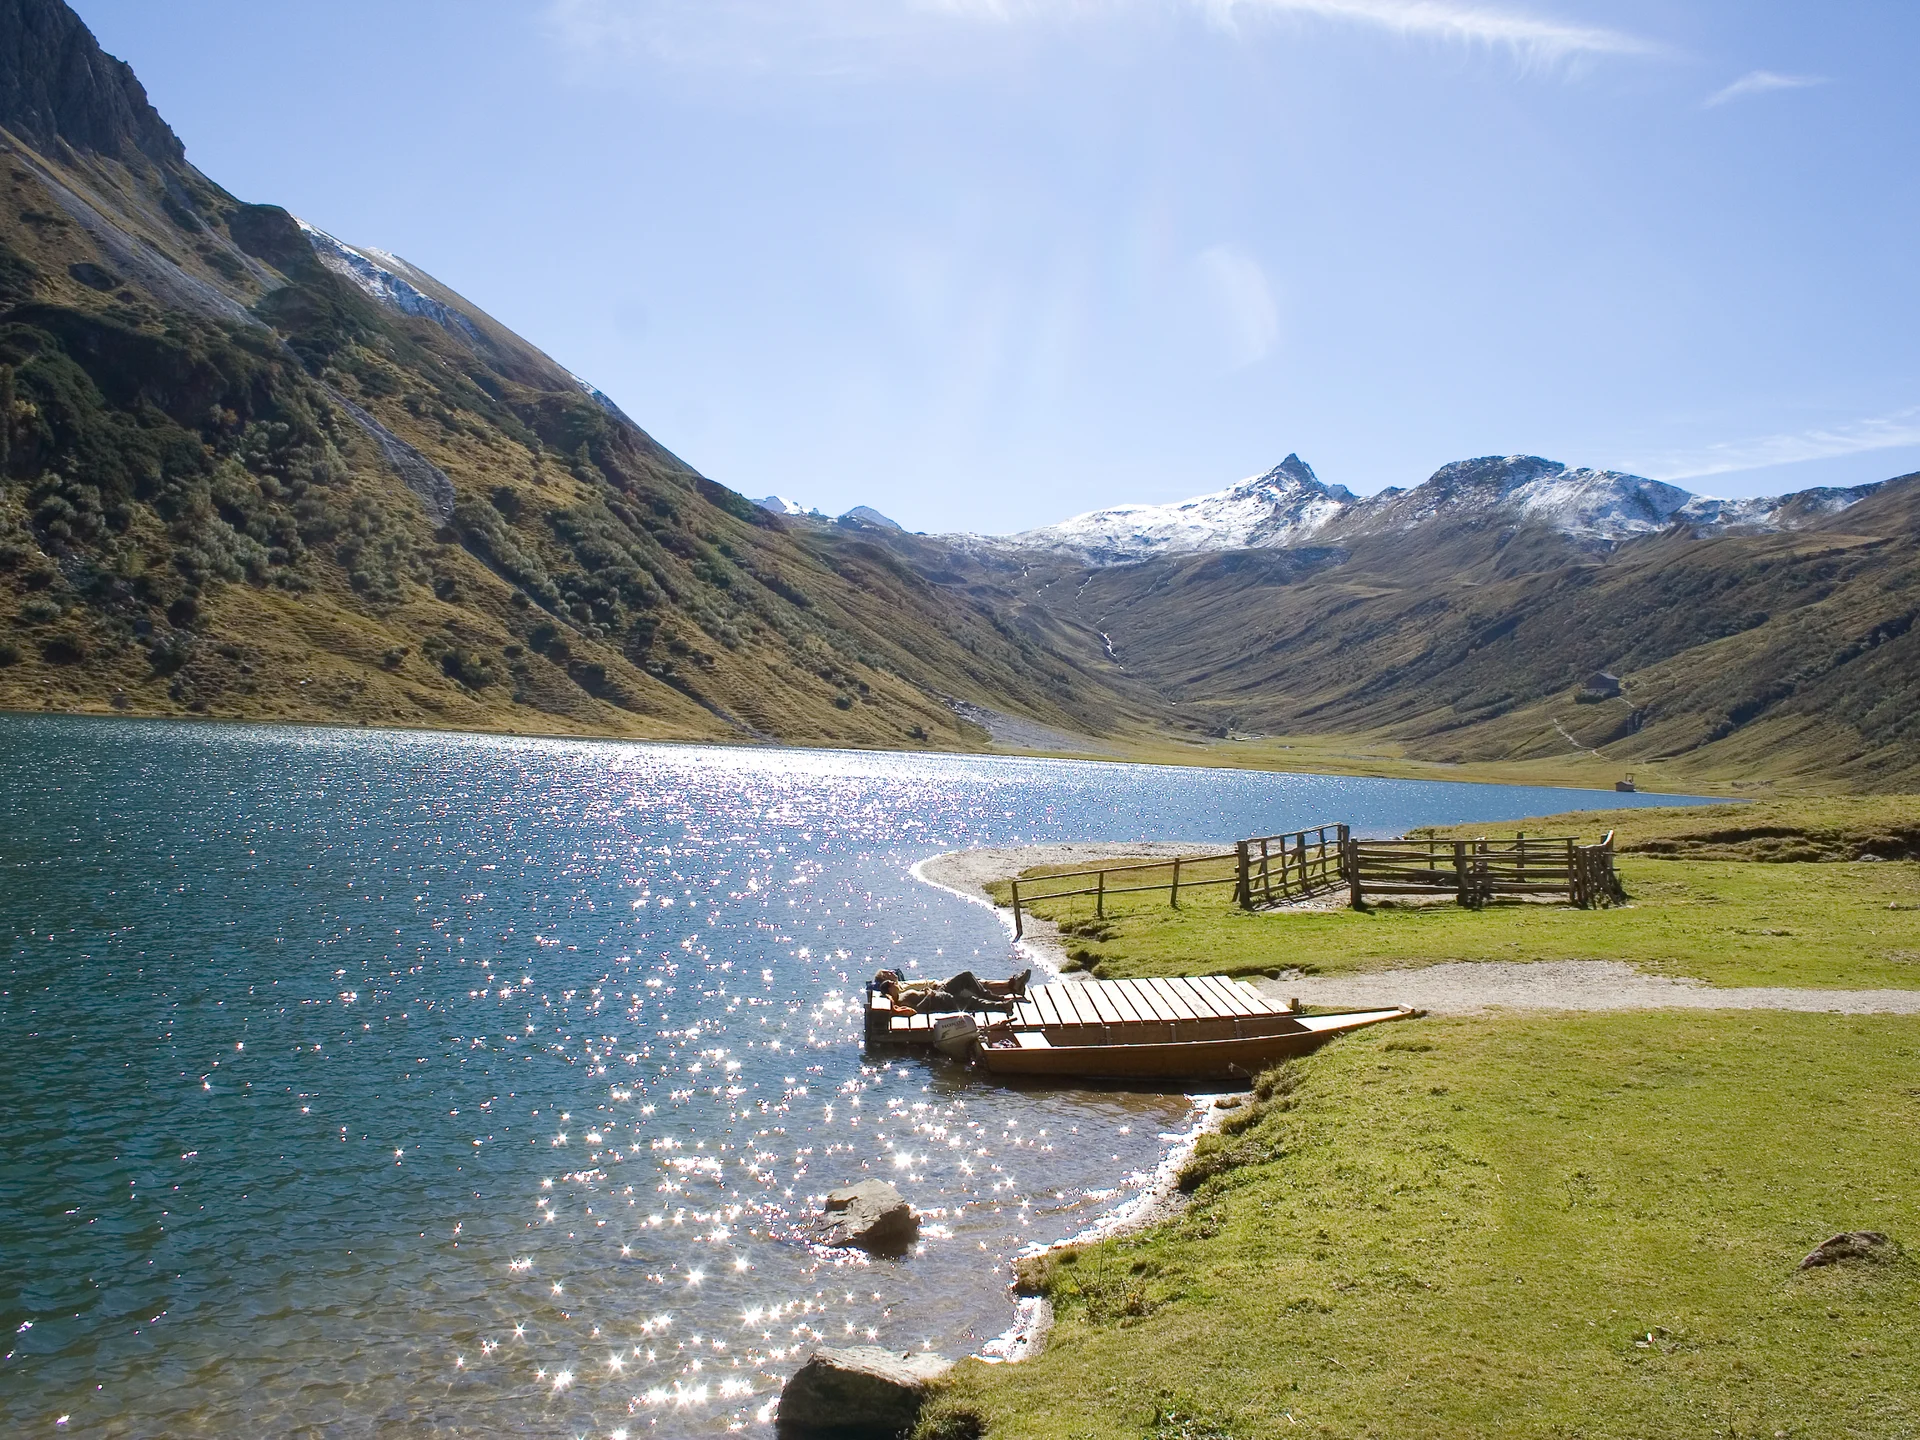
[1292,476]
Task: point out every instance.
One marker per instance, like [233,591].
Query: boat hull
[1239,1058]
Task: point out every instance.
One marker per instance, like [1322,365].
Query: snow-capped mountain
[1589,505]
[1290,505]
[781,505]
[860,515]
[1285,506]
[1763,513]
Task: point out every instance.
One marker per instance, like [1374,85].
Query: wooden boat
[1127,1052]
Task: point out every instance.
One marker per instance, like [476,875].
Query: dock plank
[1203,987]
[1074,1001]
[1172,1000]
[1185,994]
[1129,993]
[1164,1005]
[1206,1006]
[1224,995]
[1096,991]
[1162,1010]
[1049,1005]
[1265,1003]
[1122,999]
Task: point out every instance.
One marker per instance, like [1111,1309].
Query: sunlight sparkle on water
[353,907]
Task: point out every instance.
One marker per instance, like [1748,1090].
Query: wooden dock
[1176,1011]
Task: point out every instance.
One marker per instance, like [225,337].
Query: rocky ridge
[1290,506]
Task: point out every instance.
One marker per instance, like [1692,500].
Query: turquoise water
[369,1084]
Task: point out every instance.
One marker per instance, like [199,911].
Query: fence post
[1175,897]
[1350,862]
[1100,897]
[1460,873]
[1266,875]
[1017,928]
[1242,890]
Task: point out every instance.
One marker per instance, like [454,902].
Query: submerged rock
[860,1393]
[871,1215]
[1853,1245]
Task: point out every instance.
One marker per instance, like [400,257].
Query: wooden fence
[1270,870]
[1277,869]
[1266,870]
[1182,872]
[1475,871]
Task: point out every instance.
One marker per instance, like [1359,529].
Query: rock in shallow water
[872,1215]
[860,1393]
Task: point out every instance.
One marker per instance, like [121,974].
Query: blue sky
[983,264]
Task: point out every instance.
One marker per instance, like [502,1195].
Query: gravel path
[1461,988]
[1465,988]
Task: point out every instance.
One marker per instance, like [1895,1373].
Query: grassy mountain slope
[1786,658]
[232,483]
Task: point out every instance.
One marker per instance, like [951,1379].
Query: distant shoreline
[1417,771]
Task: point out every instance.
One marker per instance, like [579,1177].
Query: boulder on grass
[1853,1245]
[860,1393]
[871,1215]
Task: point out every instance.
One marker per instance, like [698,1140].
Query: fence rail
[1181,875]
[1270,870]
[1475,871]
[1277,869]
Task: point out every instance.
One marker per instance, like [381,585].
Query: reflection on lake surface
[367,1083]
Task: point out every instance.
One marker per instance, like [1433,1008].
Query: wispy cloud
[1759,82]
[1240,304]
[760,33]
[1884,432]
[1534,37]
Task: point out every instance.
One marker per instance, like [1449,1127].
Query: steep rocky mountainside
[249,470]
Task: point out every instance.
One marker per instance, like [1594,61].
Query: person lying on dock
[962,992]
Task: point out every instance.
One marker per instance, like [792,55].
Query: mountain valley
[250,470]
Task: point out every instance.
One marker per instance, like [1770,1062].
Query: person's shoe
[1020,984]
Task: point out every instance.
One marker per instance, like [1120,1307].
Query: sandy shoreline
[967,873]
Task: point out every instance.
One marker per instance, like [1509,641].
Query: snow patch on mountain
[1584,504]
[379,275]
[602,399]
[780,505]
[1282,507]
[860,517]
[1773,512]
[383,277]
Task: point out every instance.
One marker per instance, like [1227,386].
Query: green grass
[1724,922]
[1521,1226]
[1836,828]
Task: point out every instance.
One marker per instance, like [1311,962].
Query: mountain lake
[366,1083]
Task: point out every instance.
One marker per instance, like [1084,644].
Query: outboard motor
[955,1035]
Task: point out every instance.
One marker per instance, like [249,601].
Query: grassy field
[1837,828]
[1343,753]
[1583,1226]
[1725,922]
